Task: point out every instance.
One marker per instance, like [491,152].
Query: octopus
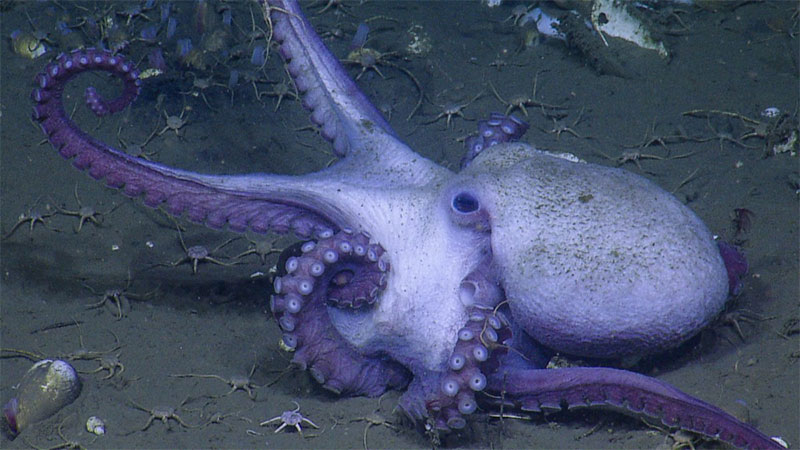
[454,286]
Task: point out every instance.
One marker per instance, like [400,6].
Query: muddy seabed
[217,322]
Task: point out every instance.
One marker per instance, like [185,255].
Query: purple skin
[414,278]
[498,129]
[10,411]
[299,304]
[735,264]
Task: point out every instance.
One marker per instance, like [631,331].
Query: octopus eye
[465,203]
[466,210]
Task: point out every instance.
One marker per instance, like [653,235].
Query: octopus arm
[539,389]
[346,118]
[257,202]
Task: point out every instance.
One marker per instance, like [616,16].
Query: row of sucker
[538,390]
[497,129]
[314,96]
[50,85]
[471,370]
[158,184]
[484,332]
[318,74]
[359,272]
[343,270]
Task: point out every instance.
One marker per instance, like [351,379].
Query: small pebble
[771,112]
[95,425]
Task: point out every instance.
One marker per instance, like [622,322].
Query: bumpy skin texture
[613,222]
[445,284]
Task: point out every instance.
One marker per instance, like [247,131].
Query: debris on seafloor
[615,18]
[601,57]
[589,27]
[45,388]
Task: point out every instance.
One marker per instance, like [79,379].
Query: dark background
[740,60]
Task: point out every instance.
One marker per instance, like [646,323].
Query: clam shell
[28,45]
[45,388]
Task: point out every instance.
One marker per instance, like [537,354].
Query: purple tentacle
[497,129]
[214,200]
[299,305]
[483,333]
[540,389]
[337,105]
[480,345]
[735,264]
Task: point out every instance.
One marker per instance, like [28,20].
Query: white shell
[45,388]
[96,426]
[27,45]
[771,112]
[612,18]
[780,441]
